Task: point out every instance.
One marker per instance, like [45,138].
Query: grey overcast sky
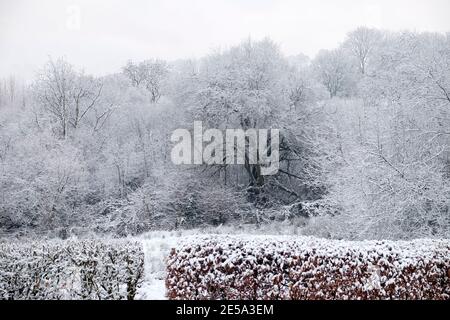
[101,35]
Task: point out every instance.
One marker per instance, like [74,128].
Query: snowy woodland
[364,143]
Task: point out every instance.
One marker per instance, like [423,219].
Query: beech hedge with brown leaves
[237,267]
[85,269]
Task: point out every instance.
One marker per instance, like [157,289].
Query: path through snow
[156,246]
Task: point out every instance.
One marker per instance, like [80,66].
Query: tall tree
[67,95]
[362,42]
[149,74]
[334,70]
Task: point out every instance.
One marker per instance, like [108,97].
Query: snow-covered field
[156,248]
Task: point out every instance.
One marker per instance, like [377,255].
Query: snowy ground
[155,251]
[156,246]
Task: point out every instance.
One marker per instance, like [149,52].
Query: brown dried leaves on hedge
[232,267]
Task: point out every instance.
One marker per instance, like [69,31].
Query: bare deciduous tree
[362,43]
[334,71]
[66,94]
[148,73]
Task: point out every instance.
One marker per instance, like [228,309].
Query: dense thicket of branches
[364,141]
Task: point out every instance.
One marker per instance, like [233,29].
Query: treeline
[363,141]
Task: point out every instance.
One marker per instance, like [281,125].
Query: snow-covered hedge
[70,270]
[233,267]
